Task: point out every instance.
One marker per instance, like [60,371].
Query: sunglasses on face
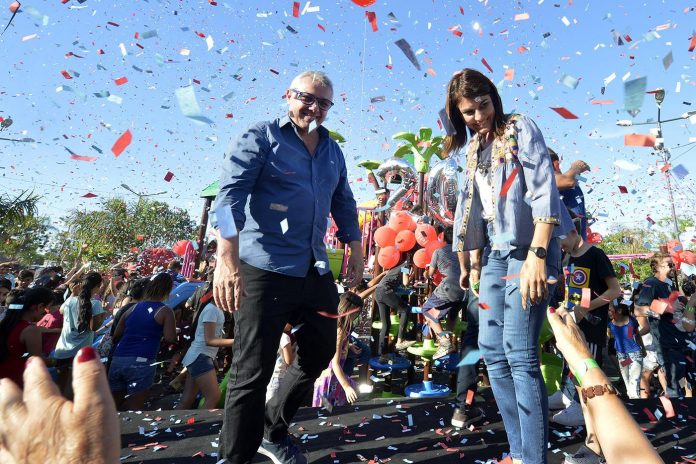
[308,99]
[669,265]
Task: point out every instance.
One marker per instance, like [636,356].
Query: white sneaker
[570,416]
[559,401]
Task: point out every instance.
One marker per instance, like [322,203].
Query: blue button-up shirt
[291,194]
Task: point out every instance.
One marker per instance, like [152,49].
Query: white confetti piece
[122,47]
[284,226]
[209,41]
[565,21]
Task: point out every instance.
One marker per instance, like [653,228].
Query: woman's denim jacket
[521,164]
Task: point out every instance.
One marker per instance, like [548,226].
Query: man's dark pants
[271,301]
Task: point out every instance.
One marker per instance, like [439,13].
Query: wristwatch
[540,252]
[585,365]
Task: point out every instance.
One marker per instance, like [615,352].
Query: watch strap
[587,364]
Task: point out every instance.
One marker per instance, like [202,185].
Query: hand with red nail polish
[40,425]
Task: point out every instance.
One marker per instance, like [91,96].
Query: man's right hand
[579,166]
[228,287]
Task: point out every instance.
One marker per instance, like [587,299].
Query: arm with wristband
[605,409]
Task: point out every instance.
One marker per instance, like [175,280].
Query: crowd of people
[269,316]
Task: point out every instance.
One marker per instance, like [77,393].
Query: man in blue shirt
[272,266]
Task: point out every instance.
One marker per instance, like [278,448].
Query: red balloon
[412,225]
[434,245]
[405,240]
[180,247]
[14,6]
[364,3]
[399,220]
[421,258]
[425,233]
[388,257]
[384,236]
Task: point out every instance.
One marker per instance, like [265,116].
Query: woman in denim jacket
[508,218]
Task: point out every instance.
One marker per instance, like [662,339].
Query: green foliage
[632,241]
[113,230]
[13,210]
[24,240]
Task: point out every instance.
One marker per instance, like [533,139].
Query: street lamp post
[659,148]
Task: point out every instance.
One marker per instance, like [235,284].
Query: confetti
[408,51]
[121,80]
[639,140]
[122,143]
[169,176]
[564,113]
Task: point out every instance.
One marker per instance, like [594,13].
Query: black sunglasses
[308,99]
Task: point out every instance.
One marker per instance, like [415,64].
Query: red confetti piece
[337,316]
[83,158]
[100,52]
[142,237]
[121,80]
[602,102]
[372,17]
[586,298]
[692,46]
[200,34]
[509,181]
[364,3]
[296,9]
[510,276]
[66,74]
[169,176]
[623,189]
[457,32]
[122,143]
[484,306]
[639,140]
[199,454]
[651,416]
[564,113]
[470,397]
[191,420]
[485,63]
[88,195]
[321,27]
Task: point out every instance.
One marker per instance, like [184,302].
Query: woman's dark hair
[136,288]
[5,283]
[19,302]
[89,282]
[469,83]
[159,287]
[447,235]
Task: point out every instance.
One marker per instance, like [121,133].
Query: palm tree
[14,210]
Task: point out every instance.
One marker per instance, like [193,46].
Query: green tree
[13,210]
[25,240]
[119,228]
[626,240]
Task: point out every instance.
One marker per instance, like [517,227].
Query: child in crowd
[19,335]
[52,323]
[139,331]
[630,350]
[200,358]
[333,387]
[287,351]
[83,315]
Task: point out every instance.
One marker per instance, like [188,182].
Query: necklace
[483,164]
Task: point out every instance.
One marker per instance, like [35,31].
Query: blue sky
[257,47]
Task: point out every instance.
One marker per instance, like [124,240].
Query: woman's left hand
[533,286]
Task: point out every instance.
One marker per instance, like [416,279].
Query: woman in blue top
[139,332]
[506,218]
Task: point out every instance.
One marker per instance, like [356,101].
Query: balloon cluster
[401,235]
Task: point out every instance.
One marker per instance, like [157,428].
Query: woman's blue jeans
[509,341]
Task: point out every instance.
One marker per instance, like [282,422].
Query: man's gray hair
[317,77]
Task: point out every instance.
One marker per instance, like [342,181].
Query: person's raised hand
[40,425]
[579,166]
[569,338]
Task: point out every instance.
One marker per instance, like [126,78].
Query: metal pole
[665,159]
